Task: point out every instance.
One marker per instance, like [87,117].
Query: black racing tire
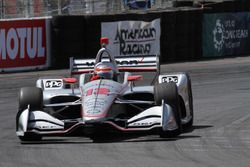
[166,91]
[169,93]
[33,97]
[189,124]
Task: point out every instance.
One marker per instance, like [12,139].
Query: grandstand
[40,8]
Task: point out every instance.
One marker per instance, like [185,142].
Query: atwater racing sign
[23,44]
[226,34]
[128,38]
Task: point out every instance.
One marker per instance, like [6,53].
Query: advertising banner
[226,34]
[23,44]
[139,4]
[129,38]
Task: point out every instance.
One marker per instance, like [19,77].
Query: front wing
[43,124]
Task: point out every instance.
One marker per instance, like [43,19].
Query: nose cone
[97,105]
[98,96]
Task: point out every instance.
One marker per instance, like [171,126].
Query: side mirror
[70,80]
[134,77]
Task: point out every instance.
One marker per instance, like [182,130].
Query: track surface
[220,137]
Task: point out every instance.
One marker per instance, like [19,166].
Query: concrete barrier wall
[186,33]
[79,36]
[183,32]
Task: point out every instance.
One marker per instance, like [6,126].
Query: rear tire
[32,97]
[169,93]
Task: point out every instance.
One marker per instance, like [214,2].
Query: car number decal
[97,91]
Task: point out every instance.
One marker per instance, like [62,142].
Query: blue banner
[139,4]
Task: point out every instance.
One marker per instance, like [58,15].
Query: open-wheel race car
[105,99]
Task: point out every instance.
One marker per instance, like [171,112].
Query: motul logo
[22,43]
[17,42]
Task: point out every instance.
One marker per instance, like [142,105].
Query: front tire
[169,93]
[32,97]
[189,124]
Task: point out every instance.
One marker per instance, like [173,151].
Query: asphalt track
[220,136]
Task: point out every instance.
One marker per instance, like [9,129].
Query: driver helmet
[104,71]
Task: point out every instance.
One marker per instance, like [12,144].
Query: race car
[101,97]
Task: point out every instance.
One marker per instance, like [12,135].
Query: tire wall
[181,32]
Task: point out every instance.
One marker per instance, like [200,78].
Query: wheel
[169,93]
[33,97]
[190,123]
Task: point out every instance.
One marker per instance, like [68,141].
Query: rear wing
[148,63]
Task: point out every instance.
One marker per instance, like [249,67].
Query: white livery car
[104,99]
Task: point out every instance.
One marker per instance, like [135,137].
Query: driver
[103,71]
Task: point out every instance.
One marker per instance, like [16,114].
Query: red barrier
[23,44]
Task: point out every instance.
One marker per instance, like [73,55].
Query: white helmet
[104,71]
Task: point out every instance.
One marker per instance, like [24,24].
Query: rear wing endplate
[148,63]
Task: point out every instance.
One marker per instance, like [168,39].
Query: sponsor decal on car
[122,62]
[169,79]
[144,123]
[53,84]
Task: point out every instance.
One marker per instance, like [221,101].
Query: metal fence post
[27,9]
[2,9]
[59,4]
